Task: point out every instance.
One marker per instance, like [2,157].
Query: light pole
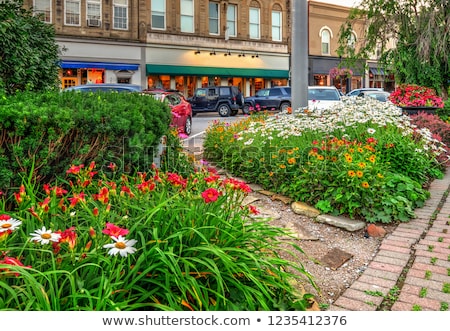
[299,54]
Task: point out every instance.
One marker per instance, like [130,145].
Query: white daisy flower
[122,246]
[9,224]
[370,131]
[44,236]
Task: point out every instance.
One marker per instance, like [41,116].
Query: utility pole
[299,54]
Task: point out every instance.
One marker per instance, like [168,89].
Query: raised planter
[416,110]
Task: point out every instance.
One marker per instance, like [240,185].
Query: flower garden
[103,240]
[175,238]
[363,159]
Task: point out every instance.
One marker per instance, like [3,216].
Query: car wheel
[188,126]
[246,109]
[284,106]
[194,114]
[224,110]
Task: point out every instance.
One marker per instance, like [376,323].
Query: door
[212,97]
[199,100]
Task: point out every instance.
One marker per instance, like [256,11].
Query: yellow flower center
[46,236]
[6,225]
[120,245]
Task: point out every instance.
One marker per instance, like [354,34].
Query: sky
[345,3]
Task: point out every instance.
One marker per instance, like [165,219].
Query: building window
[43,8]
[276,26]
[159,14]
[120,14]
[254,23]
[72,12]
[325,36]
[213,18]
[352,40]
[231,21]
[187,16]
[94,12]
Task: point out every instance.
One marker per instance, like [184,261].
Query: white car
[323,97]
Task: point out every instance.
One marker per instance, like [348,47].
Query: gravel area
[332,282]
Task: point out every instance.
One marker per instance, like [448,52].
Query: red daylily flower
[210,195]
[113,230]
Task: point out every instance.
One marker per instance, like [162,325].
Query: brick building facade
[185,44]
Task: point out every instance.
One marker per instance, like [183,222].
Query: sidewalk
[411,270]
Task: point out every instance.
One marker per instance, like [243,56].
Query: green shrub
[42,134]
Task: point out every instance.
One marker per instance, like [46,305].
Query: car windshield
[323,94]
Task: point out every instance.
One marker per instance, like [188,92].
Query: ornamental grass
[107,241]
[361,159]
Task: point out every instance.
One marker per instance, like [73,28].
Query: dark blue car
[274,98]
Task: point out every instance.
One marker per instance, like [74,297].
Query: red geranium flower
[411,95]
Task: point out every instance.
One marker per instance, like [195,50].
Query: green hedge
[50,131]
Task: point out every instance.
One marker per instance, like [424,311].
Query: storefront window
[320,80]
[165,82]
[95,76]
[278,82]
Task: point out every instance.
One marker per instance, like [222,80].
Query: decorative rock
[375,231]
[268,193]
[255,187]
[335,258]
[302,208]
[342,222]
[249,199]
[300,232]
[282,198]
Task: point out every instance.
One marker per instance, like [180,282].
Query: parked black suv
[274,98]
[226,100]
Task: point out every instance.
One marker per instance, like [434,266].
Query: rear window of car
[225,91]
[323,94]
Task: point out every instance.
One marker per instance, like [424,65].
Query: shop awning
[99,65]
[377,71]
[214,71]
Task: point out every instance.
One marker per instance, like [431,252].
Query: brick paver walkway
[411,270]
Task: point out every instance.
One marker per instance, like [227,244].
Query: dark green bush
[50,131]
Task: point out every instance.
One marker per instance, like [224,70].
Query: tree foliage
[29,54]
[419,30]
